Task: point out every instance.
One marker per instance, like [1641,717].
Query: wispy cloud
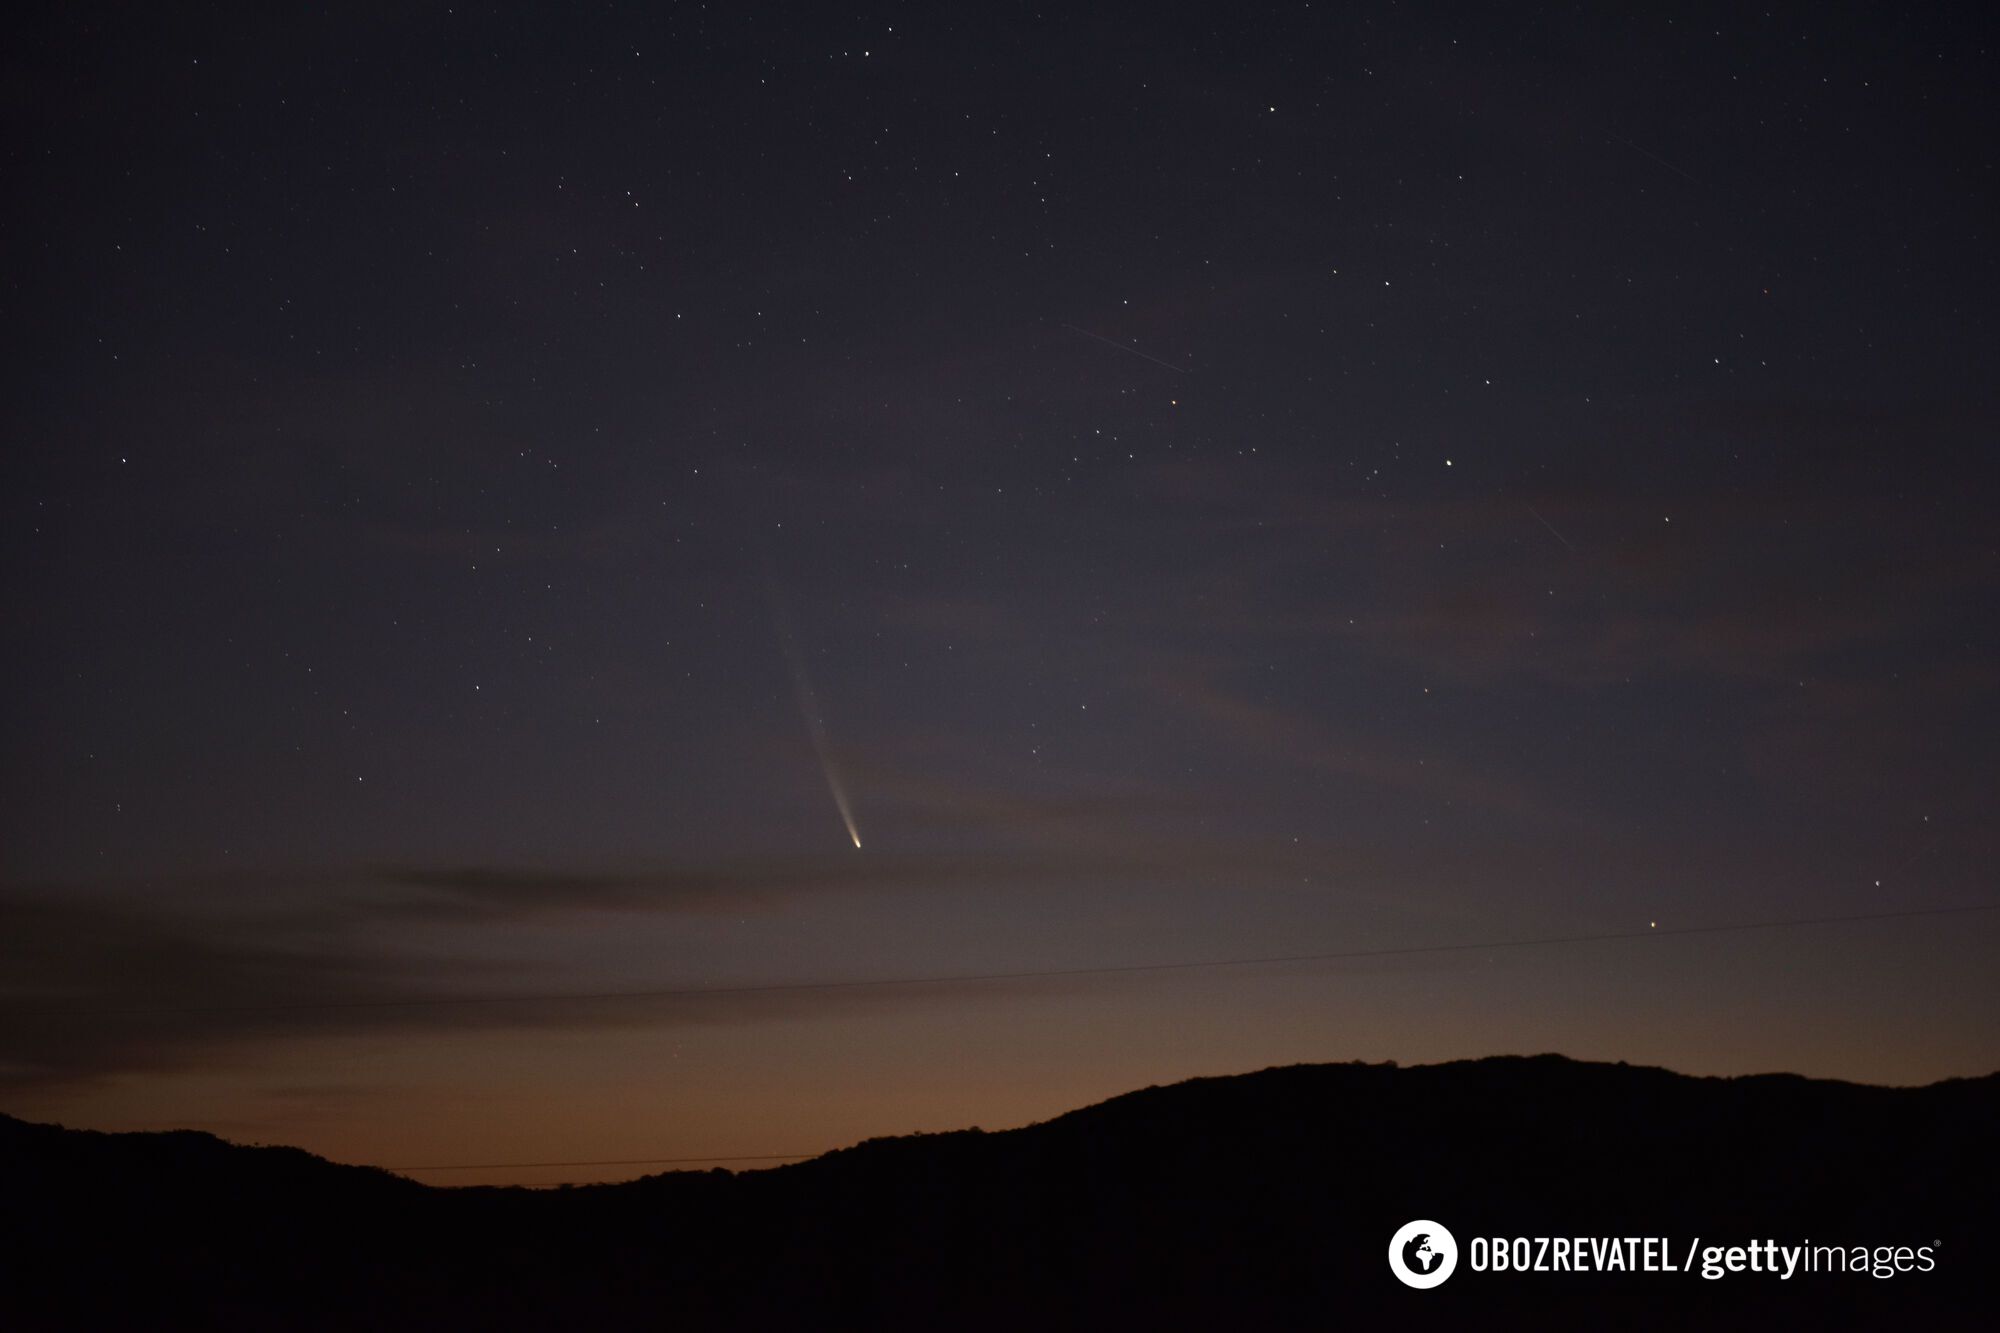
[1293,738]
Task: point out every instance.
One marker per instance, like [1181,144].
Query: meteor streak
[802,689]
[1127,347]
[1550,526]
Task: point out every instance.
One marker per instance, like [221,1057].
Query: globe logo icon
[1422,1254]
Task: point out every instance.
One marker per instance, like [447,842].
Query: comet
[808,699]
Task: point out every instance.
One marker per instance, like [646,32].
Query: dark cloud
[126,978]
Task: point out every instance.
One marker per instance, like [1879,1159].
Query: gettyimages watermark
[1423,1253]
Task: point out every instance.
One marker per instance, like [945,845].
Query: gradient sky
[1234,481]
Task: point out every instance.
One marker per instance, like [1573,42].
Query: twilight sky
[1207,483]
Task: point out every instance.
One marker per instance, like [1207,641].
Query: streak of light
[1126,347]
[808,699]
[1550,526]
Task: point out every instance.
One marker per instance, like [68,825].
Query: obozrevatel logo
[1422,1254]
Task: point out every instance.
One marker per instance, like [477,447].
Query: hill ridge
[1254,1200]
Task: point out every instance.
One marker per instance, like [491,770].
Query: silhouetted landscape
[1263,1200]
[595,589]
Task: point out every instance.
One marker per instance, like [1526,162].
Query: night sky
[484,487]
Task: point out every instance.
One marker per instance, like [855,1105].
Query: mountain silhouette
[1263,1200]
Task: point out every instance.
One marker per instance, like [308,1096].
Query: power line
[1035,974]
[627,1161]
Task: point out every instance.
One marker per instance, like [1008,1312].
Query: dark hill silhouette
[1264,1200]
